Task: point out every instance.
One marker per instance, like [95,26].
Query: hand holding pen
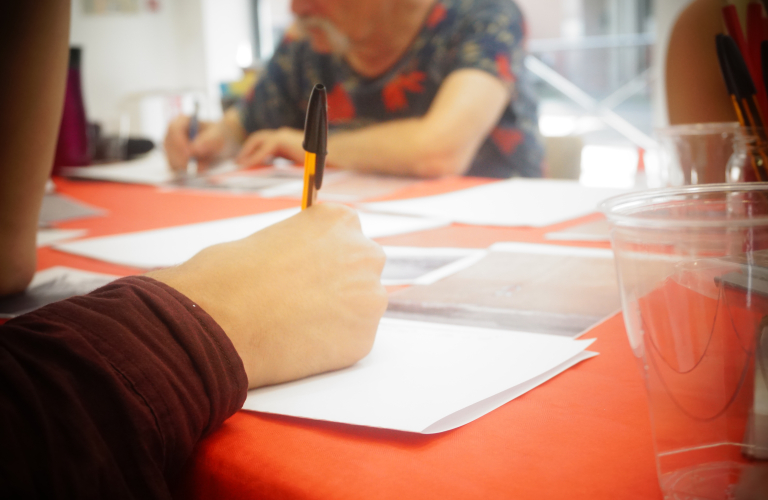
[190,138]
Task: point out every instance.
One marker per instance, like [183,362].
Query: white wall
[226,24]
[665,14]
[125,54]
[186,45]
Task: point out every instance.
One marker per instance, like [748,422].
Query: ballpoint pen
[194,127]
[315,144]
[730,85]
[744,86]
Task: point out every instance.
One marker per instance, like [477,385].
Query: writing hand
[209,143]
[301,297]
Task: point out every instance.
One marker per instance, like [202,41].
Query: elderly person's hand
[214,141]
[301,297]
[264,145]
[205,147]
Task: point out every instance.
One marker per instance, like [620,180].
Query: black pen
[315,144]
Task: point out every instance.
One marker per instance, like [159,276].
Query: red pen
[755,36]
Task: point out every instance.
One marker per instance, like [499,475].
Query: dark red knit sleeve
[105,395]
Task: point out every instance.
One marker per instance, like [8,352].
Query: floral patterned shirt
[481,34]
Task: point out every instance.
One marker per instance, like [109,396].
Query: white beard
[338,41]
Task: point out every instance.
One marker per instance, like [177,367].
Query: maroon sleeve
[105,395]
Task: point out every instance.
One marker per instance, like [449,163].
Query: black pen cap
[316,130]
[724,66]
[744,86]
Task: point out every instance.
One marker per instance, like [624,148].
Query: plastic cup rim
[612,207]
[699,129]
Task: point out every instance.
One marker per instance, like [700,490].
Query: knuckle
[341,213]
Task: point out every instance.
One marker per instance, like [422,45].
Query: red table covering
[583,435]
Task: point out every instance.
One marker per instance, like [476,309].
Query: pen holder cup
[695,154]
[749,161]
[692,264]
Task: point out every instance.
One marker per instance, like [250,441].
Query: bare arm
[696,92]
[443,142]
[35,37]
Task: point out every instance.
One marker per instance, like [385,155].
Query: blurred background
[598,67]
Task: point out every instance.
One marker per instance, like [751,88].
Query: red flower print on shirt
[507,139]
[394,92]
[340,106]
[504,69]
[436,15]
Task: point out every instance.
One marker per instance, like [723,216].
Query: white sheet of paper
[173,245]
[543,249]
[47,237]
[150,169]
[425,265]
[514,202]
[425,377]
[591,231]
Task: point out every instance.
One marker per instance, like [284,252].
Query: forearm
[442,142]
[143,382]
[402,147]
[35,36]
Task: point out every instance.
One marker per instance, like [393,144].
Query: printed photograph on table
[422,266]
[548,289]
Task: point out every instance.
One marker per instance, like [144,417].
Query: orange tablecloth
[583,435]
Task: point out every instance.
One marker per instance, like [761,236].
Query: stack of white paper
[426,377]
[172,246]
[516,202]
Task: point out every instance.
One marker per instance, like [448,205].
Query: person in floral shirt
[415,87]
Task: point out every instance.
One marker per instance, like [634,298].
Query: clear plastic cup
[692,264]
[695,154]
